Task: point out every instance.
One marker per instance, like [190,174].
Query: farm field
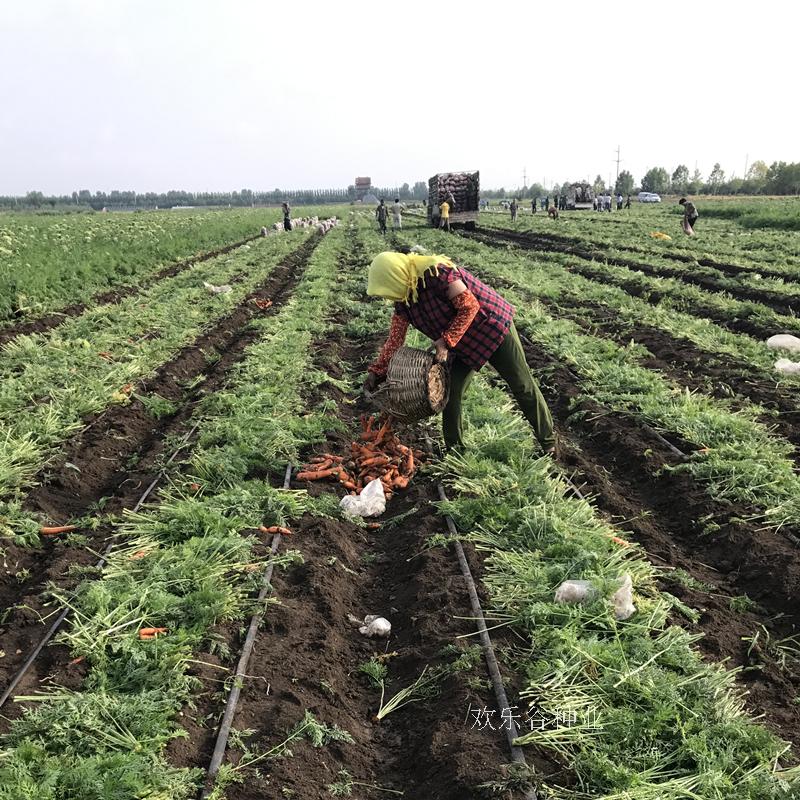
[164,427]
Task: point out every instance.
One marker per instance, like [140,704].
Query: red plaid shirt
[434,311]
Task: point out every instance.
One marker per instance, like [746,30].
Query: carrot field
[168,380]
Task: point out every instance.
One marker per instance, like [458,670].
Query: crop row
[621,709]
[615,708]
[717,240]
[50,382]
[183,565]
[48,262]
[736,457]
[553,277]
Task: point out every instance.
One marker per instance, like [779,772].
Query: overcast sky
[203,95]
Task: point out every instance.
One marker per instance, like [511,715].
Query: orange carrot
[150,633]
[53,530]
[195,487]
[138,554]
[317,475]
[375,461]
[410,463]
[620,542]
[400,482]
[373,525]
[276,529]
[76,660]
[352,486]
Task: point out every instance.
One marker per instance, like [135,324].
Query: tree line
[117,199]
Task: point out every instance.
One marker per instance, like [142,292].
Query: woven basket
[416,387]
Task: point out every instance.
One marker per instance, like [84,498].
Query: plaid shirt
[434,311]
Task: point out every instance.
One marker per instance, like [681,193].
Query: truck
[461,190]
[580,196]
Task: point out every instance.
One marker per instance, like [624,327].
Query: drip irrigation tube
[241,668]
[51,631]
[512,731]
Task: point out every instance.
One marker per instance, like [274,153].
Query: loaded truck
[461,190]
[580,196]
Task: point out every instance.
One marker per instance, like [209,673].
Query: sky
[214,95]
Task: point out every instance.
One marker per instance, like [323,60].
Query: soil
[114,459]
[779,303]
[307,654]
[624,467]
[49,321]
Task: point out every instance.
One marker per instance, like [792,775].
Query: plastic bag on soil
[622,599]
[370,503]
[784,341]
[224,289]
[572,592]
[687,228]
[576,591]
[372,625]
[787,367]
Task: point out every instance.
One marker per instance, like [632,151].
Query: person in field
[444,215]
[470,324]
[381,213]
[287,217]
[690,215]
[513,207]
[533,206]
[553,212]
[397,214]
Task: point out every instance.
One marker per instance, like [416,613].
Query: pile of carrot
[378,453]
[146,634]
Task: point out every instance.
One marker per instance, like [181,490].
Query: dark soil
[308,653]
[624,467]
[53,320]
[779,303]
[115,458]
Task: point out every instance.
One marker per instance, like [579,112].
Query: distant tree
[599,185]
[680,179]
[716,178]
[420,190]
[783,178]
[757,171]
[624,184]
[34,199]
[655,180]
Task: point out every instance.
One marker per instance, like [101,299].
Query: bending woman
[470,325]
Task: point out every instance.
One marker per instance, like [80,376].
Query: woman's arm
[397,336]
[467,308]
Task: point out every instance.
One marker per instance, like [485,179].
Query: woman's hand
[441,351]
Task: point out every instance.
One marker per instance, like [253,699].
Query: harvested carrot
[138,554]
[620,542]
[276,529]
[55,529]
[375,461]
[195,487]
[400,482]
[150,633]
[409,466]
[77,660]
[317,475]
[373,526]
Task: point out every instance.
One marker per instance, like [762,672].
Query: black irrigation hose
[20,674]
[512,731]
[241,667]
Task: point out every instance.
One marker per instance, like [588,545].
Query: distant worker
[619,202]
[397,214]
[444,210]
[514,209]
[263,231]
[547,203]
[690,216]
[607,201]
[628,202]
[533,206]
[381,213]
[553,212]
[287,217]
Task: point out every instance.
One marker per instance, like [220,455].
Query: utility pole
[524,177]
[746,159]
[618,160]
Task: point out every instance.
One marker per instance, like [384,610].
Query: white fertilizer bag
[787,367]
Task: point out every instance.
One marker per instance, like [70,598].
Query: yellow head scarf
[394,276]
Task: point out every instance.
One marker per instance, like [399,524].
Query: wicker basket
[416,387]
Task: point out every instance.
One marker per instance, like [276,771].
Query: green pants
[509,361]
